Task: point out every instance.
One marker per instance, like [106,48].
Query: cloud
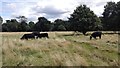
[100,4]
[19,0]
[11,5]
[0,8]
[49,11]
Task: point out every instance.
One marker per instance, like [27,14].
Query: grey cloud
[49,11]
[32,19]
[100,4]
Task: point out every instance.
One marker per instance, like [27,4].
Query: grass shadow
[68,35]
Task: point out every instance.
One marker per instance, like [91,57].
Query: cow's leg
[37,37]
[95,38]
[90,37]
[100,36]
[26,38]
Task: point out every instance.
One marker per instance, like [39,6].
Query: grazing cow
[35,33]
[96,34]
[28,36]
[42,35]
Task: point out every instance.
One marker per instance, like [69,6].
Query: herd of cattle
[36,35]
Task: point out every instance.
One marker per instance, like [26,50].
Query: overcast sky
[51,9]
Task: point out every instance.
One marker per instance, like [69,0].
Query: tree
[4,27]
[67,25]
[118,15]
[59,25]
[83,19]
[31,26]
[23,26]
[56,23]
[10,25]
[13,25]
[22,18]
[110,15]
[61,28]
[1,20]
[43,24]
[7,26]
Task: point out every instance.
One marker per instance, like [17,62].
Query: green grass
[61,49]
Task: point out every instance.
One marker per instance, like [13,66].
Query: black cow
[42,35]
[35,33]
[28,36]
[96,34]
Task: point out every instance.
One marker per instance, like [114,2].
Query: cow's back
[96,34]
[28,36]
[43,35]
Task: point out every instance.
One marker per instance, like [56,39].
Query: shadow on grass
[68,35]
[76,35]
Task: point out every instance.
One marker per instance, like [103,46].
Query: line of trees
[82,19]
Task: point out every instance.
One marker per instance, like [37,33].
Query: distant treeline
[82,19]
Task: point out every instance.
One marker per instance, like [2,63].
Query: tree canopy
[83,19]
[59,25]
[111,16]
[43,24]
[1,20]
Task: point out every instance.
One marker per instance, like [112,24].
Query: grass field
[61,49]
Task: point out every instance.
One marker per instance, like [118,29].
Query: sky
[50,9]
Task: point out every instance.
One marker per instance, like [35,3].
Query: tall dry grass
[61,49]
